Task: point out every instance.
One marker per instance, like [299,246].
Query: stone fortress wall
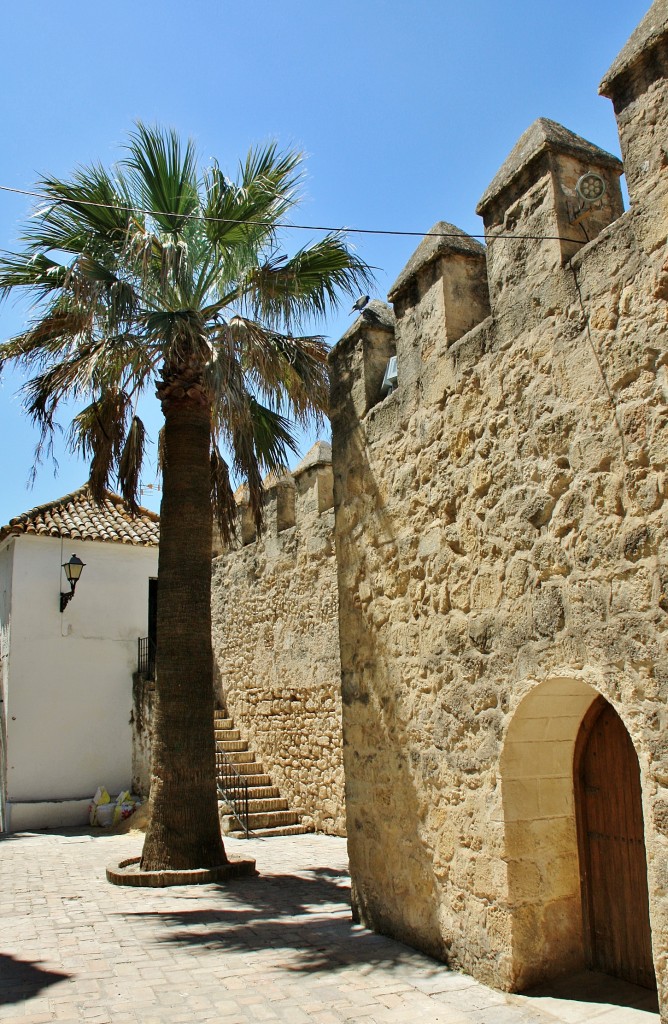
[275,639]
[502,545]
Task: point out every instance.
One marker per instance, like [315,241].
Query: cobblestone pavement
[278,948]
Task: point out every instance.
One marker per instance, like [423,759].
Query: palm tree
[156,274]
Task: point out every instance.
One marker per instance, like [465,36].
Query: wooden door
[613,865]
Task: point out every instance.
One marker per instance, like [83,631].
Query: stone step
[262,805]
[221,721]
[253,772]
[253,780]
[237,757]
[272,819]
[258,793]
[235,832]
[227,734]
[263,792]
[232,745]
[273,803]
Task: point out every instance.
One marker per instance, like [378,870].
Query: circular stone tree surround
[128,872]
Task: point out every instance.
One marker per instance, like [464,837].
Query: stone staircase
[268,811]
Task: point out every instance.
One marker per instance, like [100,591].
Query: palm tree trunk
[184,828]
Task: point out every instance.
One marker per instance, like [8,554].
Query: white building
[66,676]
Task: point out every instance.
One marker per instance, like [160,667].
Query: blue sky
[405,112]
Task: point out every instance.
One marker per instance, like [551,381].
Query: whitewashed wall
[69,698]
[6,556]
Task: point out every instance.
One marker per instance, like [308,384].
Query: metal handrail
[233,788]
[146,657]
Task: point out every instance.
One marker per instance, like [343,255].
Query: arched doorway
[611,845]
[542,800]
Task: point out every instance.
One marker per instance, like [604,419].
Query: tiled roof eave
[78,517]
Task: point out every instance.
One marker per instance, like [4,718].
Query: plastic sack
[124,806]
[105,815]
[101,799]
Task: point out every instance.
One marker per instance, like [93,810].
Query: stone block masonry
[275,637]
[502,545]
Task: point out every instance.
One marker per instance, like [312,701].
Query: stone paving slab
[280,948]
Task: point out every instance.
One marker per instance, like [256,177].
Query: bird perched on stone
[360,304]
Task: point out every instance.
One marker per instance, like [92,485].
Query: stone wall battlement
[544,248]
[502,545]
[294,501]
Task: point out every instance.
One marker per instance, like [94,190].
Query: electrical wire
[289,227]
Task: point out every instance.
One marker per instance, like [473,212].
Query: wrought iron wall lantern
[73,570]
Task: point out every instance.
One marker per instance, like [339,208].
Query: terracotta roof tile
[79,517]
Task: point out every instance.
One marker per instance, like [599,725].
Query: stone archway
[543,815]
[541,845]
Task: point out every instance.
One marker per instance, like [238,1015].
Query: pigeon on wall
[360,304]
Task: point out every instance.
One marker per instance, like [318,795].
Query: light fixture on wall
[589,191]
[590,187]
[73,570]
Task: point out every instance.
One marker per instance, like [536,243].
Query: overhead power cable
[53,200]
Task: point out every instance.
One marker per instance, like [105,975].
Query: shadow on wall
[394,887]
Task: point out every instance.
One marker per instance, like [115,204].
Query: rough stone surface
[502,542]
[275,635]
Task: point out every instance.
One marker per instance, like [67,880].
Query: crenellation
[288,500]
[365,349]
[637,84]
[454,262]
[286,512]
[535,221]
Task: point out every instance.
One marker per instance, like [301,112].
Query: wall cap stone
[319,455]
[377,315]
[543,136]
[443,239]
[650,31]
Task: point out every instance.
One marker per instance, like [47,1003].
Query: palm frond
[161,449]
[307,285]
[163,175]
[98,432]
[248,212]
[54,335]
[93,205]
[130,462]
[37,272]
[291,373]
[222,497]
